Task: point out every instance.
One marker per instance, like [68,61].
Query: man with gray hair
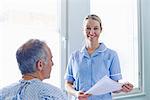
[35,63]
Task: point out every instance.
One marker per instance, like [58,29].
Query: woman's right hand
[81,96]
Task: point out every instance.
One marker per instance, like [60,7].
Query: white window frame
[63,30]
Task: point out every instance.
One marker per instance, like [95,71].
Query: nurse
[93,61]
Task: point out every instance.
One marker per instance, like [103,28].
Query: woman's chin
[92,38]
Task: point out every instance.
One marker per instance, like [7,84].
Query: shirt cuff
[69,78]
[116,76]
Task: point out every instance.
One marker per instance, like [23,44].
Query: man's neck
[30,76]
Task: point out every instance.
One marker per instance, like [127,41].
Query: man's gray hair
[28,55]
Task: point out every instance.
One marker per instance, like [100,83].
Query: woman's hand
[127,87]
[81,96]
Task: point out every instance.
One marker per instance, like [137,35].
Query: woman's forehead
[90,22]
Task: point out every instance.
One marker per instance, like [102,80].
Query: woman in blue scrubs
[93,61]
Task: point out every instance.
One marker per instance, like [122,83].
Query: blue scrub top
[84,70]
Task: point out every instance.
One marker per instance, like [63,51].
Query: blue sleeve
[69,71]
[115,71]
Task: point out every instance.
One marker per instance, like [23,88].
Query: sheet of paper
[103,86]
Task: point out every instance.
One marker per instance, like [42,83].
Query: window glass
[120,32]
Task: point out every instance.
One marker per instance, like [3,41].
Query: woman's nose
[91,31]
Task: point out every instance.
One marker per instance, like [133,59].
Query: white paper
[103,86]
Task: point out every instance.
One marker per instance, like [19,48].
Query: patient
[35,63]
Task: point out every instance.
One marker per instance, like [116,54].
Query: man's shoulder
[9,90]
[9,87]
[52,91]
[50,87]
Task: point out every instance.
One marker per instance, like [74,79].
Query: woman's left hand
[127,87]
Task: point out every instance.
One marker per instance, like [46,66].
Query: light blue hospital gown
[84,70]
[33,89]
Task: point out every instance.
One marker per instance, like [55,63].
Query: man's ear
[40,65]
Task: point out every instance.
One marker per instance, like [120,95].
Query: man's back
[33,89]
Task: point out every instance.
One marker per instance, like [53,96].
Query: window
[21,20]
[120,32]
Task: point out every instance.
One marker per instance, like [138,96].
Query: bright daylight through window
[120,32]
[21,20]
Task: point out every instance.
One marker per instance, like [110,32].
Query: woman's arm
[70,89]
[79,94]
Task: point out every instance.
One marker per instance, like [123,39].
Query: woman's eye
[88,28]
[95,28]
